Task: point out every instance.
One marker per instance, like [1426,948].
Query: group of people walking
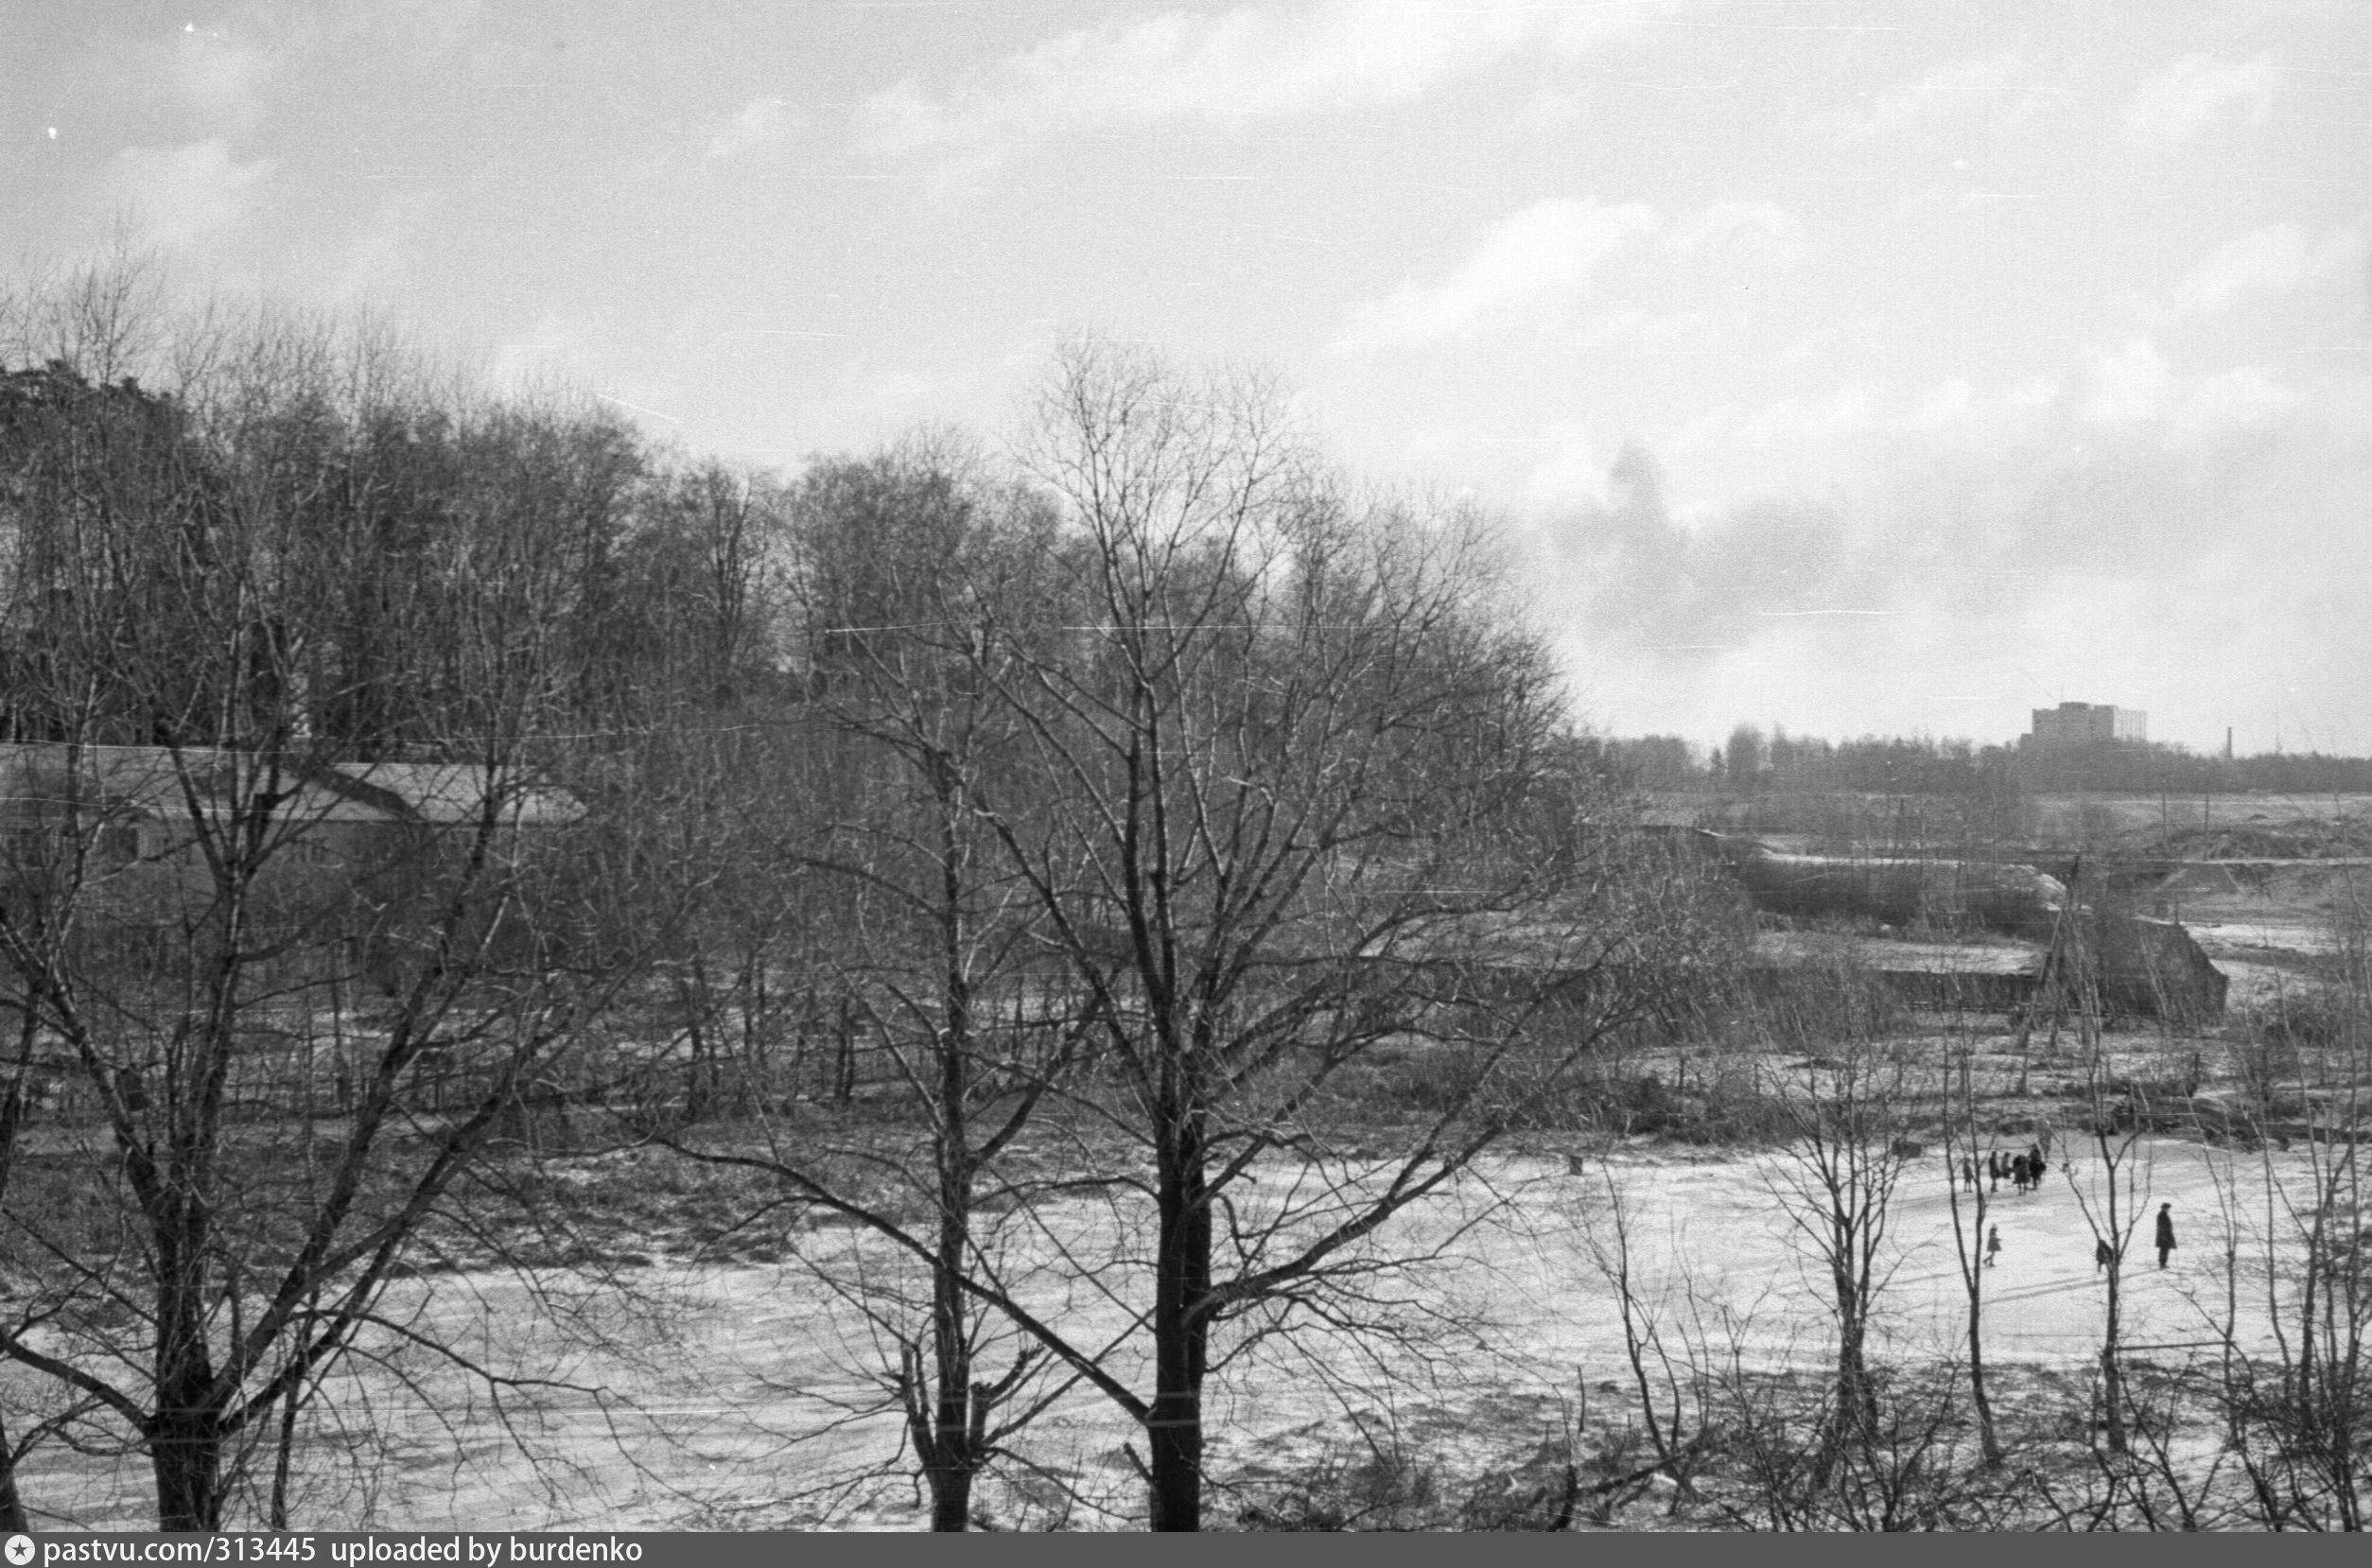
[2025,1170]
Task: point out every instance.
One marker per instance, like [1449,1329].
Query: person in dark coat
[1968,1173]
[2165,1231]
[1993,1247]
[2019,1175]
[2035,1166]
[1993,1168]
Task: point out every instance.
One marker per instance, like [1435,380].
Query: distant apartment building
[2089,724]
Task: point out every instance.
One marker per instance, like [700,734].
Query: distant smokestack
[2227,742]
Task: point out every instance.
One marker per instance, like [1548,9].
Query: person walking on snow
[1993,1166]
[1993,1247]
[2165,1231]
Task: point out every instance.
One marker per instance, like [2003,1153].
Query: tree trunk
[953,1455]
[1181,1335]
[1988,1440]
[183,1433]
[942,1418]
[11,1503]
[2112,1374]
[284,1454]
[1857,1395]
[11,1116]
[749,988]
[951,1489]
[1960,1149]
[186,1453]
[691,993]
[845,1061]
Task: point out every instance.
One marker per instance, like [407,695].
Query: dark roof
[447,794]
[149,782]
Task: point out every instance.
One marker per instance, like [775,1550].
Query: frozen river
[738,1397]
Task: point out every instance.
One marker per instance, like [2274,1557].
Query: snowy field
[737,1396]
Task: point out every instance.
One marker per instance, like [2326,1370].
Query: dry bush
[1387,1485]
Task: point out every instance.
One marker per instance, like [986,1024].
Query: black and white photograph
[1241,765]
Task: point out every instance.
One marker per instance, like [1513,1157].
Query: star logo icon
[19,1550]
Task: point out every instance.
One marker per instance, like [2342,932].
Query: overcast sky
[1857,367]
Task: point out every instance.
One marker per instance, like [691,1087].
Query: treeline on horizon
[1754,763]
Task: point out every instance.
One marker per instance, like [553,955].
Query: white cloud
[1809,443]
[2130,388]
[1216,67]
[2031,397]
[375,256]
[903,118]
[2246,398]
[2131,382]
[1571,476]
[1947,403]
[1757,231]
[221,79]
[2270,261]
[2178,103]
[2133,386]
[1850,411]
[1944,92]
[179,195]
[759,122]
[1547,257]
[1542,257]
[556,349]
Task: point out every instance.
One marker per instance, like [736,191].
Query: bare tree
[2110,1199]
[1234,781]
[284,1036]
[899,554]
[1963,1176]
[1298,794]
[1845,1149]
[932,954]
[1663,1378]
[2300,1409]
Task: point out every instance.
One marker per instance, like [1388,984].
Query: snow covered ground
[737,1396]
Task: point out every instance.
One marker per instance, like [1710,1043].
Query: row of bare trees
[1049,862]
[1181,781]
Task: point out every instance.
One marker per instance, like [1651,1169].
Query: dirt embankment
[2290,823]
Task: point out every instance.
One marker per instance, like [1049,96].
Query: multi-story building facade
[2089,724]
